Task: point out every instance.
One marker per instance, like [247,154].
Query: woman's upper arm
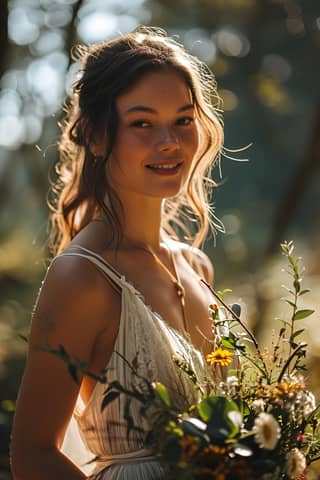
[70,311]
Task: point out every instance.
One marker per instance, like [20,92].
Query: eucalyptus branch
[237,318]
[293,354]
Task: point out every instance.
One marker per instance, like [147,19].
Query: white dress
[101,434]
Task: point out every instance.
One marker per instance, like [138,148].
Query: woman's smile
[165,168]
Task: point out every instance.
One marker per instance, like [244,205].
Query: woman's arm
[71,311]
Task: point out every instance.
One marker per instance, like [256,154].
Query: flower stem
[293,354]
[245,328]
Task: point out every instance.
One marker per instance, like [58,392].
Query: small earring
[95,158]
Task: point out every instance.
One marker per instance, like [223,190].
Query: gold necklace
[176,282]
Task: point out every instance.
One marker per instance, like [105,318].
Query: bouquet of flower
[255,418]
[258,420]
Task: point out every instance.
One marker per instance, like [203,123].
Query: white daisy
[258,405]
[296,464]
[309,403]
[267,431]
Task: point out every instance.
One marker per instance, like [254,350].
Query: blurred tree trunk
[4,39]
[71,33]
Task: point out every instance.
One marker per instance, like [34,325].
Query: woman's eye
[140,124]
[185,121]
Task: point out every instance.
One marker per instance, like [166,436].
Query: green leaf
[303,292]
[300,314]
[295,334]
[287,247]
[236,308]
[292,260]
[226,343]
[222,293]
[243,407]
[289,290]
[205,409]
[291,303]
[215,410]
[282,331]
[163,393]
[297,285]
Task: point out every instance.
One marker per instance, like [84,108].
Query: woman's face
[157,137]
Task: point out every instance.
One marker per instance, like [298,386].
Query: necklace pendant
[180,290]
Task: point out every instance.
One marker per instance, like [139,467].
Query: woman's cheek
[191,139]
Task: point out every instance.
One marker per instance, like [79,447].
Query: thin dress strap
[116,279]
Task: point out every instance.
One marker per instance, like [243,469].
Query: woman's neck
[141,223]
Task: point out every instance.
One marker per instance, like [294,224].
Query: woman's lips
[165,168]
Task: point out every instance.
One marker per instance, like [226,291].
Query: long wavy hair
[107,70]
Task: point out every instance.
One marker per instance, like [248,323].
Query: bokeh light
[200,44]
[22,26]
[232,42]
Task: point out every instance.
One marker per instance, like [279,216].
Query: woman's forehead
[155,90]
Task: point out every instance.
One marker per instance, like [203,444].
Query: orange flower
[189,447]
[215,449]
[220,357]
[214,307]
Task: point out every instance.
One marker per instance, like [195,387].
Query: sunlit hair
[107,70]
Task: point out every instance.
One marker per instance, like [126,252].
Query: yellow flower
[220,357]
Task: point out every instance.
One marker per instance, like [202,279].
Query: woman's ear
[93,140]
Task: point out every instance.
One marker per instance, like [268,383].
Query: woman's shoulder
[73,269]
[197,258]
[75,282]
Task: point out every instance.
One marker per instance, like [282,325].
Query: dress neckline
[137,292]
[185,339]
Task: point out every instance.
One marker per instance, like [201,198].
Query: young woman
[140,138]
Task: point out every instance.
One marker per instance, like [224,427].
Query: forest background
[265,55]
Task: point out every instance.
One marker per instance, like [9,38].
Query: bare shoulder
[72,289]
[198,259]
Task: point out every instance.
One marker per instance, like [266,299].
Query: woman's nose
[167,139]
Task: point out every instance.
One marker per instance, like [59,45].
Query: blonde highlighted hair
[107,70]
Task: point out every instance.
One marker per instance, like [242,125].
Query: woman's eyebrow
[143,108]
